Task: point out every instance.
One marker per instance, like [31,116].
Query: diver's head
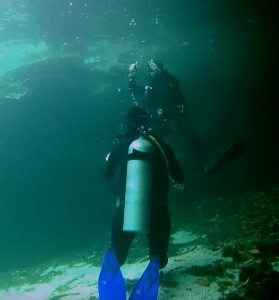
[154,68]
[136,117]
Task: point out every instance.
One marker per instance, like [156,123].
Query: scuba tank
[139,178]
[138,195]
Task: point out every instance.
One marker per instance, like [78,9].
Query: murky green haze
[63,67]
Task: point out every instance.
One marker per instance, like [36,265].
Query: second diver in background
[163,98]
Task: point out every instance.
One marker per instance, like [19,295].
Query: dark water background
[53,199]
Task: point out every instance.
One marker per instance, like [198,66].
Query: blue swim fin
[111,283]
[147,287]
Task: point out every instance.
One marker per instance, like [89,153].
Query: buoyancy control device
[138,196]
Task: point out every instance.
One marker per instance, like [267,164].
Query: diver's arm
[178,99]
[181,103]
[115,157]
[175,170]
[111,164]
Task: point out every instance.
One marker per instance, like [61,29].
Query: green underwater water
[63,69]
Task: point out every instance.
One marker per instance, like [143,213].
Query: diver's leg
[120,240]
[159,236]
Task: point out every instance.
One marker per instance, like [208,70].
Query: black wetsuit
[161,96]
[115,172]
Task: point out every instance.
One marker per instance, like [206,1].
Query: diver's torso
[161,97]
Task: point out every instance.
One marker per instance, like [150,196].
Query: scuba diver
[139,168]
[162,97]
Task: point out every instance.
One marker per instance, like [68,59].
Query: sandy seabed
[200,267]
